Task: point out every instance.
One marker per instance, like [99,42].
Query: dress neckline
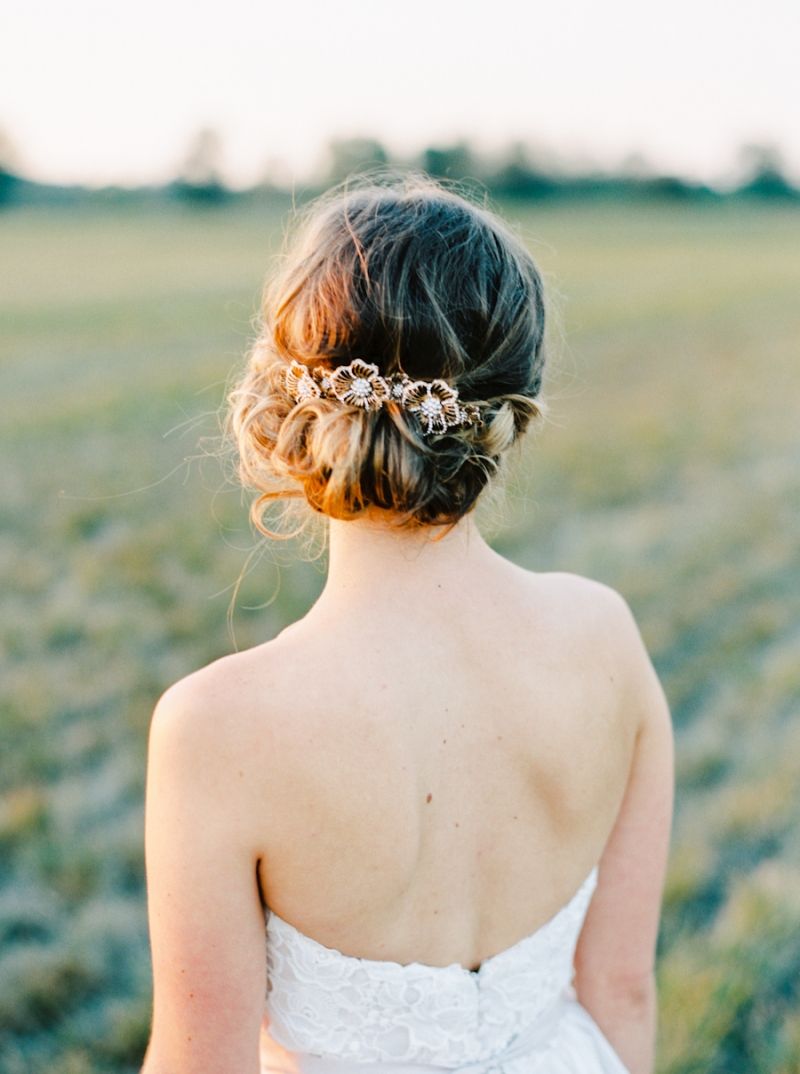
[587,884]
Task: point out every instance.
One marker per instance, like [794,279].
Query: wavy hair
[414,277]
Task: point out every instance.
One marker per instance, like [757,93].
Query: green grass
[669,468]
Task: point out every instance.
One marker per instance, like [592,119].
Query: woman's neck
[372,564]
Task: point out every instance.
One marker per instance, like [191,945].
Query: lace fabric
[346,1013]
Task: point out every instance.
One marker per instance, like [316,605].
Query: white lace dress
[331,1013]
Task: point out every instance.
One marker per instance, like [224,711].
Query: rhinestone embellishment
[361,386]
[435,402]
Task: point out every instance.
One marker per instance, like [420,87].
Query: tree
[200,178]
[9,169]
[765,175]
[455,161]
[344,156]
[518,177]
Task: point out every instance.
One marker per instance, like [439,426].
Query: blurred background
[150,157]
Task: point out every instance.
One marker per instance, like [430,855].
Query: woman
[447,789]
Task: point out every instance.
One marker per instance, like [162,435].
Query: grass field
[669,468]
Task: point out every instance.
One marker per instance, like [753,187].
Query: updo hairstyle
[411,276]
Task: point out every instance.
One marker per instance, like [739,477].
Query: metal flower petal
[360,384]
[471,414]
[323,377]
[398,382]
[299,383]
[435,402]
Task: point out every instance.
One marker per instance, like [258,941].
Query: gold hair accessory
[361,384]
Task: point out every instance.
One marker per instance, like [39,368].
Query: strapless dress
[331,1013]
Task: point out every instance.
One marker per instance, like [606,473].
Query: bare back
[439,778]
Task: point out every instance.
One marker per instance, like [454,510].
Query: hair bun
[448,305]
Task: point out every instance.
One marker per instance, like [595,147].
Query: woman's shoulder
[584,602]
[579,587]
[229,724]
[241,708]
[219,692]
[615,637]
[208,708]
[594,626]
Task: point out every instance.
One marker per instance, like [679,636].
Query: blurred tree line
[518,171]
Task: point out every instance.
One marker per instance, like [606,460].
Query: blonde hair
[414,277]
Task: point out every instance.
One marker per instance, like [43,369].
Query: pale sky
[100,91]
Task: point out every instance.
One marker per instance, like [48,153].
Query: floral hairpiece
[361,384]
